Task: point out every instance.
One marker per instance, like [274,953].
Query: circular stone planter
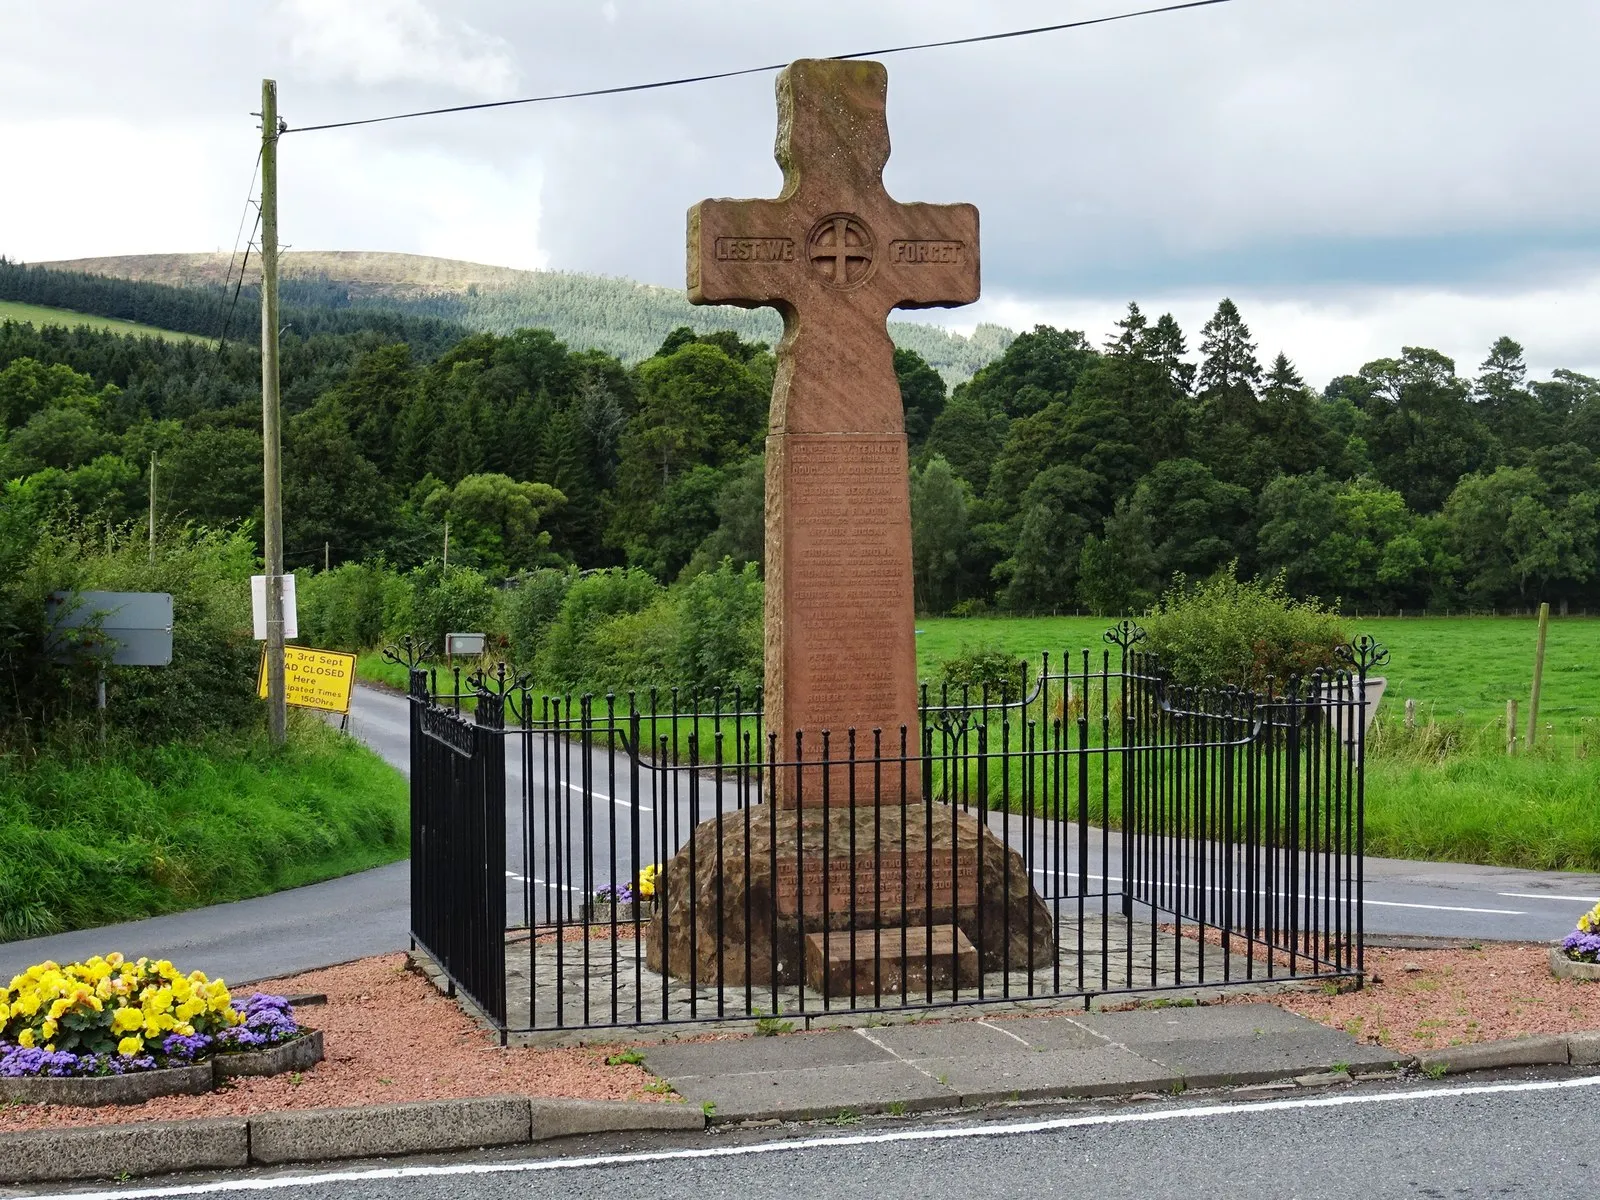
[95,1091]
[297,1054]
[1563,967]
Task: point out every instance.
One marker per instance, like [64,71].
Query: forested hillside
[586,312]
[1063,475]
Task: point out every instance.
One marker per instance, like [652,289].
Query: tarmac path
[366,913]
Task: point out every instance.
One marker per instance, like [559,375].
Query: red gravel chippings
[389,1036]
[1417,1000]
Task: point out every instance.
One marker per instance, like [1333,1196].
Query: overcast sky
[1358,175]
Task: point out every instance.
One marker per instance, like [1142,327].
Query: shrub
[448,600]
[1231,631]
[720,631]
[343,609]
[210,683]
[632,651]
[530,607]
[977,668]
[569,656]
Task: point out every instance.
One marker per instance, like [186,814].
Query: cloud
[1334,331]
[395,41]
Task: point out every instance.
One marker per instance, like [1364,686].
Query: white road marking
[1498,912]
[942,1134]
[578,787]
[1549,896]
[535,879]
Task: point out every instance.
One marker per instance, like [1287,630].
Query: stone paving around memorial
[574,981]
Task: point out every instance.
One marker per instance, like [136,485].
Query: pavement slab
[817,1093]
[1042,1074]
[737,1056]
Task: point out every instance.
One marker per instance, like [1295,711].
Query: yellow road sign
[321,679]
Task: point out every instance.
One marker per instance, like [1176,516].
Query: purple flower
[268,1021]
[186,1048]
[1582,947]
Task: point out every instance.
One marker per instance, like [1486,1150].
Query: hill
[621,316]
[42,316]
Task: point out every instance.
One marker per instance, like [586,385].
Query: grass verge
[97,838]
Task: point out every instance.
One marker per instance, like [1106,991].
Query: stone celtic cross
[834,253]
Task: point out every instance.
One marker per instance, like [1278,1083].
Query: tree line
[1063,475]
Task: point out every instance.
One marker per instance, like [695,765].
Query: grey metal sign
[132,629]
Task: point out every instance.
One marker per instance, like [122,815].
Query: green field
[36,314]
[1453,667]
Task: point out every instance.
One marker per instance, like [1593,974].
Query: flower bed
[107,1018]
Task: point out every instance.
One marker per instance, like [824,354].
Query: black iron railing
[1087,828]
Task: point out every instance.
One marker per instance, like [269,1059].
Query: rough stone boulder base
[730,899]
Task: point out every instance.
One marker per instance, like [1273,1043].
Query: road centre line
[1548,896]
[1497,912]
[1010,1129]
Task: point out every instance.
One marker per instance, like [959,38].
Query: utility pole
[324,556]
[445,566]
[152,506]
[271,436]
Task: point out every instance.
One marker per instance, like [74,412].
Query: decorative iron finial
[1124,634]
[1363,653]
[498,680]
[408,654]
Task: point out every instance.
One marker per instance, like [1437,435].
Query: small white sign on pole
[258,607]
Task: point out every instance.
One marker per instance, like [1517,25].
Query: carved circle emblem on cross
[840,248]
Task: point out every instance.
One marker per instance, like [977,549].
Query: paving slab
[1222,1062]
[1057,1033]
[793,1051]
[816,1093]
[1040,1074]
[1197,1022]
[948,1039]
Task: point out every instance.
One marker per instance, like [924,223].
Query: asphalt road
[1521,1139]
[366,914]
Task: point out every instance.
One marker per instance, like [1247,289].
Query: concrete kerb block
[1484,1056]
[424,1127]
[1583,1049]
[574,1118]
[105,1151]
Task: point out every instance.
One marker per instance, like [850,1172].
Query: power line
[249,201]
[687,79]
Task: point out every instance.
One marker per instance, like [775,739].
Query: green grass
[39,315]
[1453,667]
[95,838]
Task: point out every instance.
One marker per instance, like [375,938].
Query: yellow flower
[129,1046]
[114,959]
[48,1028]
[190,1009]
[27,1003]
[59,1008]
[126,1019]
[25,1039]
[5,1012]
